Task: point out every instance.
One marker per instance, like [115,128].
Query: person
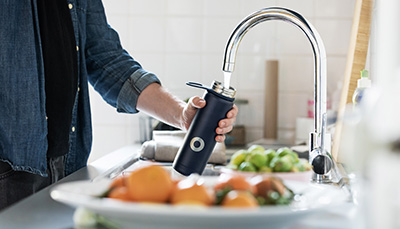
[49,51]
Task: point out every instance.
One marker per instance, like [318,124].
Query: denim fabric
[16,185]
[101,61]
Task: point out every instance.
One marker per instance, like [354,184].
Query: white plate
[140,215]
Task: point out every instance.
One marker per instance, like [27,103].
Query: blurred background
[184,40]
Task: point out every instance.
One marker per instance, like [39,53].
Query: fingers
[231,118]
[226,125]
[220,138]
[190,110]
[233,112]
[221,131]
[224,130]
[196,102]
[226,122]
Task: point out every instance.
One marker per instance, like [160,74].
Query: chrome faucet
[319,149]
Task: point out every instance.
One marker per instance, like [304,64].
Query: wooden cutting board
[271,100]
[356,59]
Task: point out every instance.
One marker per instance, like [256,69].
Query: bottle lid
[219,88]
[364,82]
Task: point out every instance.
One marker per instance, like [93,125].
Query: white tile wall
[290,106]
[248,7]
[182,40]
[184,34]
[292,41]
[222,7]
[142,7]
[181,68]
[335,34]
[212,42]
[334,9]
[151,41]
[296,73]
[304,7]
[184,7]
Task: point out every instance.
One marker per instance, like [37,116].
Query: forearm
[156,101]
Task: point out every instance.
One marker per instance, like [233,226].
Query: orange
[266,185]
[234,182]
[120,193]
[242,199]
[189,191]
[150,183]
[118,182]
[263,186]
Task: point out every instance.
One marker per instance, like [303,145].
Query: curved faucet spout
[277,13]
[319,152]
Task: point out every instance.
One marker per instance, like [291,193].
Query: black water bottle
[199,141]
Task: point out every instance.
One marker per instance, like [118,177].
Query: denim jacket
[101,61]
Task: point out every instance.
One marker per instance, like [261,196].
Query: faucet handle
[321,162]
[320,158]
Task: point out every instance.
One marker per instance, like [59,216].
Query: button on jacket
[101,61]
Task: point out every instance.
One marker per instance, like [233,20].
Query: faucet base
[321,179]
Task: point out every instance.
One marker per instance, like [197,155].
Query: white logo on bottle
[199,146]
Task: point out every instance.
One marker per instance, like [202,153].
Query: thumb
[196,103]
[190,110]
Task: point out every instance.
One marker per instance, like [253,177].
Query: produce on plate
[257,159]
[264,190]
[192,191]
[153,183]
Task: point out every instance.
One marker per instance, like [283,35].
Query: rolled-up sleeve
[111,70]
[136,83]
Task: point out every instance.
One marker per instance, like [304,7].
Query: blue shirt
[101,61]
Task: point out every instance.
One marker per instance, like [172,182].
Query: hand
[224,125]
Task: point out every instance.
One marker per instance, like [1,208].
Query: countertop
[40,211]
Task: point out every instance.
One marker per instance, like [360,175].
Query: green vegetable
[294,156]
[295,169]
[272,191]
[265,169]
[247,166]
[261,200]
[269,154]
[238,157]
[283,151]
[282,164]
[286,151]
[274,198]
[84,218]
[255,148]
[257,158]
[302,165]
[220,195]
[232,166]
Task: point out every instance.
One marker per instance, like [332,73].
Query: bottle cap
[219,88]
[216,88]
[364,82]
